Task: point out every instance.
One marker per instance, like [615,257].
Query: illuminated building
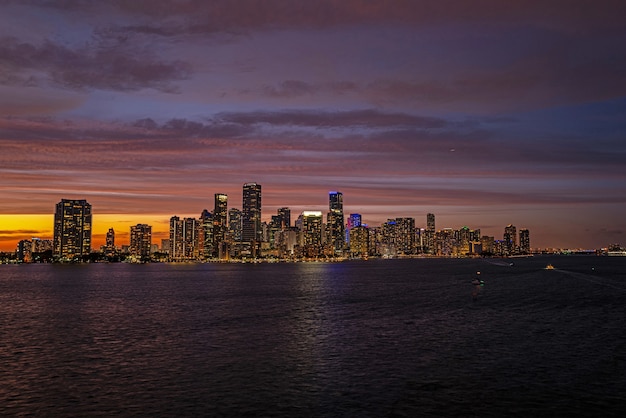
[285,215]
[405,235]
[251,231]
[510,240]
[487,244]
[140,241]
[310,224]
[429,238]
[220,219]
[206,234]
[109,247]
[467,240]
[334,221]
[176,239]
[359,241]
[72,229]
[235,224]
[354,220]
[524,241]
[25,251]
[430,222]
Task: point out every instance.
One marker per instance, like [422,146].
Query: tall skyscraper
[510,239]
[234,224]
[72,229]
[430,222]
[251,214]
[311,225]
[206,234]
[140,240]
[176,239]
[429,234]
[524,241]
[336,235]
[359,241]
[110,242]
[220,225]
[285,216]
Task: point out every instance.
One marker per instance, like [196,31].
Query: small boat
[549,267]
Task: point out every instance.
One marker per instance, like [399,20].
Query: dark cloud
[225,15]
[369,118]
[88,67]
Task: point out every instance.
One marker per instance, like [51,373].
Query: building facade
[334,221]
[140,241]
[72,229]
[251,231]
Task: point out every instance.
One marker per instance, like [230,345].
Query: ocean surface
[377,338]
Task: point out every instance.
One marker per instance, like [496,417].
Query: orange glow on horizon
[14,228]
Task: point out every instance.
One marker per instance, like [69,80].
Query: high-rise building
[310,224]
[430,222]
[359,241]
[220,225]
[176,239]
[524,241]
[206,234]
[234,224]
[336,235]
[405,232]
[354,220]
[285,217]
[140,240]
[191,241]
[109,247]
[72,229]
[510,239]
[251,214]
[429,234]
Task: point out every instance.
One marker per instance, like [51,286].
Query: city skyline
[484,114]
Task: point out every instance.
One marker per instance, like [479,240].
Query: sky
[485,113]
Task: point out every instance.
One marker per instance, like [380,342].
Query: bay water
[376,338]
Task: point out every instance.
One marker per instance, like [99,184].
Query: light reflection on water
[377,338]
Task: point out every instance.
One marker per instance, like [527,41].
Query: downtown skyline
[485,114]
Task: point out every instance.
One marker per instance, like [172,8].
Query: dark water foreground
[376,338]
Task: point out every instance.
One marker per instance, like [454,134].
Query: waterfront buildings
[72,229]
[241,234]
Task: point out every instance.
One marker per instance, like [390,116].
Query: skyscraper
[334,220]
[110,242]
[430,222]
[285,216]
[206,234]
[311,224]
[220,226]
[524,241]
[234,224]
[176,239]
[429,238]
[510,239]
[72,229]
[140,240]
[251,214]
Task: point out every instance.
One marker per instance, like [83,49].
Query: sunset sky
[485,113]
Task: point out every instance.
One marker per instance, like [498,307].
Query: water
[378,338]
